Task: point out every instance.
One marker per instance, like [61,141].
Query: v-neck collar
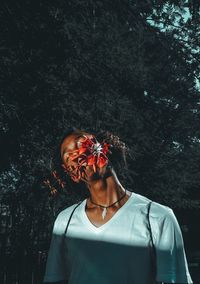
[91,226]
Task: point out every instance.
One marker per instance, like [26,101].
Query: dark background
[130,67]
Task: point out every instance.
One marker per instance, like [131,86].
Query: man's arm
[171,262]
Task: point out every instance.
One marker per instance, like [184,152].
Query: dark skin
[103,190]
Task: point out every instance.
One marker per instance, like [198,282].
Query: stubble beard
[101,173]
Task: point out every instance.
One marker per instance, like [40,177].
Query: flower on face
[90,152]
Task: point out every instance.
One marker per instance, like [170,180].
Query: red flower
[90,152]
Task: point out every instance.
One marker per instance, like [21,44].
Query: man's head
[83,157]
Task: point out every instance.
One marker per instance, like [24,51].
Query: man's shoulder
[64,213]
[157,210]
[63,217]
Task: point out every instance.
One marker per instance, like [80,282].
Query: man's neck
[105,191]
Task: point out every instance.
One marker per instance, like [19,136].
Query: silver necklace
[104,212]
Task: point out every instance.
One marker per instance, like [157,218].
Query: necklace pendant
[104,213]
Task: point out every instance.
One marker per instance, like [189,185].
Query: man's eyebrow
[65,151]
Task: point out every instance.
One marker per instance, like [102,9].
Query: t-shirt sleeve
[56,269]
[171,260]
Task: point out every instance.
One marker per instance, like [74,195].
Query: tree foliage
[130,67]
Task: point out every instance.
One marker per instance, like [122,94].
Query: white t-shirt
[118,251]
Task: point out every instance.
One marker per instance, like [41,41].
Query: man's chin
[92,177]
[100,173]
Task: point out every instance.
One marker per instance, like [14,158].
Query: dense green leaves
[131,67]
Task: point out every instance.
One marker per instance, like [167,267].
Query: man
[114,236]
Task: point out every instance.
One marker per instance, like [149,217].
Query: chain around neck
[102,206]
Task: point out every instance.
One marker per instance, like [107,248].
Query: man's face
[71,160]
